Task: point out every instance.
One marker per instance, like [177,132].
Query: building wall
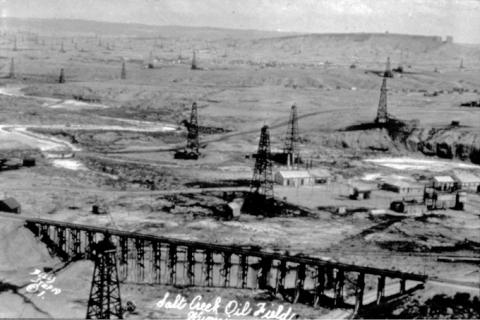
[470,186]
[294,182]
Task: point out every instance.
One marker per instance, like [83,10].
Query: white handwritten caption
[42,284]
[200,310]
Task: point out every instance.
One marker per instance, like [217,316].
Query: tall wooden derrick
[292,138]
[382,114]
[104,301]
[192,150]
[388,69]
[262,181]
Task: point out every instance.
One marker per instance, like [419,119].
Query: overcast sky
[460,18]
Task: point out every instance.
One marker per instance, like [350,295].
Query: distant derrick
[388,70]
[15,44]
[292,138]
[11,73]
[262,181]
[62,50]
[193,145]
[104,301]
[194,61]
[150,64]
[123,74]
[61,78]
[382,115]
[461,64]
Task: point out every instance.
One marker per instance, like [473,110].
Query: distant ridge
[93,27]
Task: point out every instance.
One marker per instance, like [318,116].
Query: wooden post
[209,268]
[244,270]
[61,238]
[157,261]
[263,278]
[227,264]
[75,242]
[300,281]
[319,285]
[172,263]
[402,285]
[190,266]
[90,241]
[380,289]
[359,292]
[281,274]
[338,288]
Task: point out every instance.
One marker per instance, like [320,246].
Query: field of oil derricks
[334,174]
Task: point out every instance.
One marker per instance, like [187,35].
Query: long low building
[294,178]
[408,190]
[467,181]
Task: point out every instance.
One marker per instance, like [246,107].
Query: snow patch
[406,163]
[68,164]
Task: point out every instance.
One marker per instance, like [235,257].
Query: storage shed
[10,205]
[361,190]
[294,178]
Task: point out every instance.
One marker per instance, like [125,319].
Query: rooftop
[291,174]
[443,179]
[466,177]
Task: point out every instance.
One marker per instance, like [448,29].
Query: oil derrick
[292,139]
[150,64]
[193,145]
[61,78]
[461,64]
[11,73]
[104,301]
[388,71]
[62,50]
[123,74]
[382,115]
[15,44]
[262,181]
[194,61]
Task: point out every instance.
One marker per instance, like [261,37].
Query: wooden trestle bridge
[150,259]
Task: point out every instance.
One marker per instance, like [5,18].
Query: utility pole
[104,301]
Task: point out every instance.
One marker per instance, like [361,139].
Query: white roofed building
[443,183]
[294,178]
